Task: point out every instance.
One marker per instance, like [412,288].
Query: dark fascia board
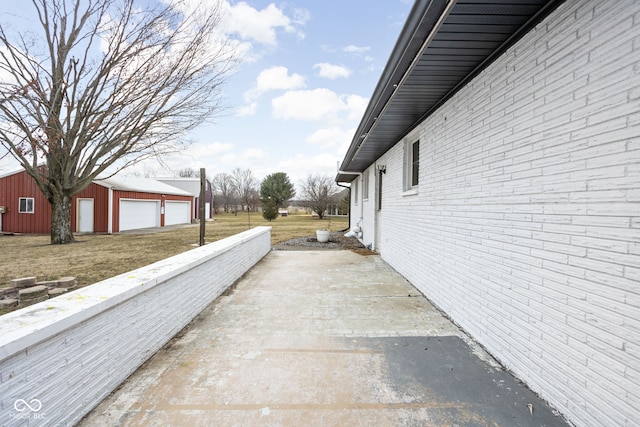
[517,35]
[420,23]
[422,17]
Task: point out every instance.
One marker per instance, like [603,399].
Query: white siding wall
[527,216]
[72,351]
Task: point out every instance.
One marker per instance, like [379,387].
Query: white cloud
[256,159]
[247,110]
[200,152]
[330,137]
[203,149]
[328,48]
[356,106]
[301,16]
[198,155]
[331,71]
[254,154]
[242,49]
[256,25]
[301,166]
[345,143]
[317,104]
[274,78]
[229,159]
[356,49]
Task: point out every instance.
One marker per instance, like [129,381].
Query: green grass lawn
[96,257]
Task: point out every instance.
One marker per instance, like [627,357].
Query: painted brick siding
[526,225]
[72,371]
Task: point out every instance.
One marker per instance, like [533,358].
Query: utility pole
[203,187]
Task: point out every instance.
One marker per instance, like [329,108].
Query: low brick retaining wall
[61,357]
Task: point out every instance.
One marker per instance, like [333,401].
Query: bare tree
[318,192]
[245,186]
[223,187]
[253,200]
[102,85]
[188,173]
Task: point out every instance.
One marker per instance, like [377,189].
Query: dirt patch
[337,241]
[364,251]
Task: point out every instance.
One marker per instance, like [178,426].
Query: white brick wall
[528,210]
[72,351]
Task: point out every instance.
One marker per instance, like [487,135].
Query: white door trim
[85,223]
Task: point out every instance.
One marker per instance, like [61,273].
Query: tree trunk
[61,220]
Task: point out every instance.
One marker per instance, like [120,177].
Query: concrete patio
[321,338]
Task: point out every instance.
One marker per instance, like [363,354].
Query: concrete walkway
[321,338]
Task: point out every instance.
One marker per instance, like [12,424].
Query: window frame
[29,202]
[411,166]
[414,165]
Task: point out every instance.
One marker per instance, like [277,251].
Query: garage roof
[131,183]
[142,185]
[442,46]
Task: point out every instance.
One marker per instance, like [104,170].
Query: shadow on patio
[327,338]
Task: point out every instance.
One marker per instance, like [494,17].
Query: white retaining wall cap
[30,325]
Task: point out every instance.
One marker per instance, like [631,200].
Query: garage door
[136,214]
[177,213]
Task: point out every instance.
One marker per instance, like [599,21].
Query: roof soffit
[443,45]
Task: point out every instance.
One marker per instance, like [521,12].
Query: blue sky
[308,69]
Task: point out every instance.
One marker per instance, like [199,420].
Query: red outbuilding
[105,206]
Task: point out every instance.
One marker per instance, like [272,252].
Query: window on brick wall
[25,205]
[365,185]
[411,164]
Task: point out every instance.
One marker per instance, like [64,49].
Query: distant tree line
[235,191]
[240,191]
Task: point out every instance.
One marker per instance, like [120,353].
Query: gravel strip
[336,241]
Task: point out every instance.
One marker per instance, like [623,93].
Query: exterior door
[85,215]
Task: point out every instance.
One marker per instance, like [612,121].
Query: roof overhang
[443,45]
[140,185]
